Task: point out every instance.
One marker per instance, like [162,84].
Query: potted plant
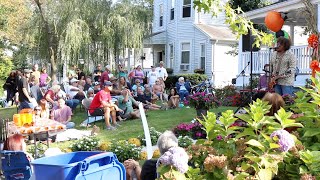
[202,102]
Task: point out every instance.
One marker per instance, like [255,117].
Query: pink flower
[219,137]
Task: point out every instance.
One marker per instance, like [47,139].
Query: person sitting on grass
[150,96]
[158,89]
[142,98]
[102,105]
[149,169]
[126,102]
[16,143]
[136,85]
[63,114]
[173,99]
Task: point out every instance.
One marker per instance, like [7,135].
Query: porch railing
[260,58]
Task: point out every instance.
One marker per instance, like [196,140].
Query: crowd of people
[116,97]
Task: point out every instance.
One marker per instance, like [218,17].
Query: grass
[160,120]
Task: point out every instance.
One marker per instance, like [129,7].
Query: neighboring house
[294,10]
[186,39]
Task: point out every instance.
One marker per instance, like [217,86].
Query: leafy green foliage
[125,150]
[85,144]
[5,67]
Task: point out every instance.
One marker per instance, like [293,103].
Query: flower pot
[201,113]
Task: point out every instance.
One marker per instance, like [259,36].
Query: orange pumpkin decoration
[274,21]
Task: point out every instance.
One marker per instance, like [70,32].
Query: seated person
[36,112]
[142,98]
[102,105]
[150,96]
[158,89]
[88,84]
[135,86]
[63,114]
[16,143]
[96,87]
[126,102]
[90,94]
[148,171]
[115,87]
[183,88]
[173,99]
[75,91]
[51,96]
[124,84]
[44,111]
[263,80]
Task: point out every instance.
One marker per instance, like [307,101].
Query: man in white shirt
[162,72]
[152,76]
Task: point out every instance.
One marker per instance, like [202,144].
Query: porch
[260,58]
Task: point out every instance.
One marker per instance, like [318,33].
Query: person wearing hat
[162,71]
[26,101]
[152,76]
[102,105]
[105,76]
[115,86]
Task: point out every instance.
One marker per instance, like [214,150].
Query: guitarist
[283,63]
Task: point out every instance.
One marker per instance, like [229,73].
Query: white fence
[260,58]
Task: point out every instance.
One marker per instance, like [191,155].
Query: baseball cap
[27,71]
[161,62]
[96,83]
[108,83]
[108,67]
[153,66]
[73,80]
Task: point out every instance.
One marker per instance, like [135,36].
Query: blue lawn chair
[15,165]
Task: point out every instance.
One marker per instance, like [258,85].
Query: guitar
[273,80]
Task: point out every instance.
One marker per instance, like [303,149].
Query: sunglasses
[37,109]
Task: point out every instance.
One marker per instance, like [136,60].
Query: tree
[248,5]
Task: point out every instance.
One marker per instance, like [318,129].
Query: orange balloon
[274,21]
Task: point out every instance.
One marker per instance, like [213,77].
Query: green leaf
[265,174]
[163,169]
[178,175]
[274,146]
[310,132]
[256,143]
[241,176]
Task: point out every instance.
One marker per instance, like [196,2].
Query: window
[171,55]
[202,56]
[186,12]
[161,15]
[172,10]
[185,53]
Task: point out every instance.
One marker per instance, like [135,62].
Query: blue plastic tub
[79,165]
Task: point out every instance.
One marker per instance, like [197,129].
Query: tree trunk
[52,50]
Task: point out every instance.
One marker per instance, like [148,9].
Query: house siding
[183,30]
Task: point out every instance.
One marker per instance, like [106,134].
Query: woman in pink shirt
[138,74]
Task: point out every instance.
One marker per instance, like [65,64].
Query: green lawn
[160,120]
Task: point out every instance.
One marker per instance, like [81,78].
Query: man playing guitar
[283,65]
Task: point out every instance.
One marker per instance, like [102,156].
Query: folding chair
[90,119]
[15,165]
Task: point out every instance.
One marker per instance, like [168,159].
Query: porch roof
[293,8]
[156,38]
[217,32]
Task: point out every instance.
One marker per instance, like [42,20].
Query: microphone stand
[242,73]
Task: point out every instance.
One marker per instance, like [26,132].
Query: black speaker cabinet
[246,43]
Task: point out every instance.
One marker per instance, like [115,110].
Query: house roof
[217,32]
[156,38]
[293,8]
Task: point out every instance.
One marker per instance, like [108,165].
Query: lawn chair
[90,119]
[15,165]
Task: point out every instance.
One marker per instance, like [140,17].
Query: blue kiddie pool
[82,165]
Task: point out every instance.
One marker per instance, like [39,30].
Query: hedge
[193,78]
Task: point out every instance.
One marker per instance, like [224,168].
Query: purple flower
[285,142]
[177,157]
[198,134]
[219,137]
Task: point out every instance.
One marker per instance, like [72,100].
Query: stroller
[15,165]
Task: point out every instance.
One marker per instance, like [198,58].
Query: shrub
[199,71]
[156,153]
[193,130]
[222,93]
[154,135]
[184,141]
[41,148]
[135,141]
[85,144]
[193,78]
[125,150]
[169,70]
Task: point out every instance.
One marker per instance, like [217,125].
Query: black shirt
[149,170]
[97,78]
[23,83]
[80,75]
[142,98]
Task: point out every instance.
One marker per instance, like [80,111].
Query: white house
[294,10]
[186,39]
